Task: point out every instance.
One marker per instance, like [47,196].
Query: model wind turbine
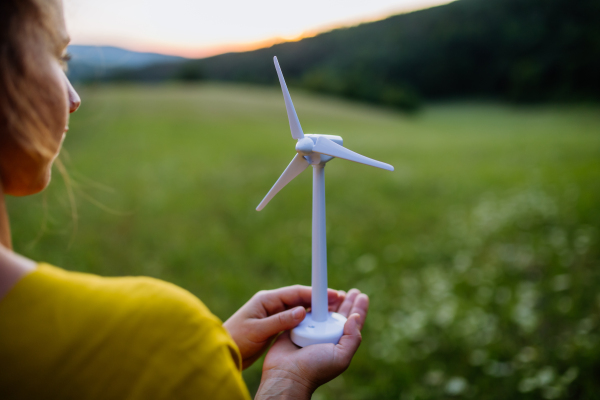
[320,325]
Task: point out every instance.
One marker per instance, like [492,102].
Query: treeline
[516,50]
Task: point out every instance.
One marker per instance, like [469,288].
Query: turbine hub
[304,146]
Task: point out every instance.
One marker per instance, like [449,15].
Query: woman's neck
[5,239]
[13,267]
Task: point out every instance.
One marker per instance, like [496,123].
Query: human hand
[295,373]
[269,312]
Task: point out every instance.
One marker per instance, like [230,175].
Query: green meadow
[480,252]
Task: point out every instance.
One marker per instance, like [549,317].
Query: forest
[513,50]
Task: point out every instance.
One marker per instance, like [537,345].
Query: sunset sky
[200,28]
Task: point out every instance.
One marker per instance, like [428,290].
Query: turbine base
[313,332]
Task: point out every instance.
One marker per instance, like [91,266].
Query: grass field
[481,252]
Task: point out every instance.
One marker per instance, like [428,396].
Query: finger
[335,305]
[284,343]
[278,300]
[284,298]
[349,341]
[267,327]
[346,306]
[333,296]
[361,307]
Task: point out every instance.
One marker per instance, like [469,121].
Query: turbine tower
[320,325]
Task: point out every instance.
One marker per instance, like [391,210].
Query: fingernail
[297,313]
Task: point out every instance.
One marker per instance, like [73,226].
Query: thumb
[350,340]
[280,322]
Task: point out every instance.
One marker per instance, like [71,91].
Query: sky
[195,28]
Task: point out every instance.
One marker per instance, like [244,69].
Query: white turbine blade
[330,148]
[289,106]
[297,165]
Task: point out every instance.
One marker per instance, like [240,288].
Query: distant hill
[518,50]
[97,62]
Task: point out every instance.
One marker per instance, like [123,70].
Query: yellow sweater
[67,335]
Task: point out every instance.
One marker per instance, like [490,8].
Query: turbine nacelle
[305,147]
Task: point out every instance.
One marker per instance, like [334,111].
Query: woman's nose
[74,99]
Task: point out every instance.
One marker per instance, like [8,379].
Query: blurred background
[480,252]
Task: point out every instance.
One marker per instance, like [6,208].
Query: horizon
[149,30]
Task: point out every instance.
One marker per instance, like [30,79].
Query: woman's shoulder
[127,304]
[138,294]
[138,328]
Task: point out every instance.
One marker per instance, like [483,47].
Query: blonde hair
[27,33]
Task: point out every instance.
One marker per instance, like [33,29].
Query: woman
[71,335]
